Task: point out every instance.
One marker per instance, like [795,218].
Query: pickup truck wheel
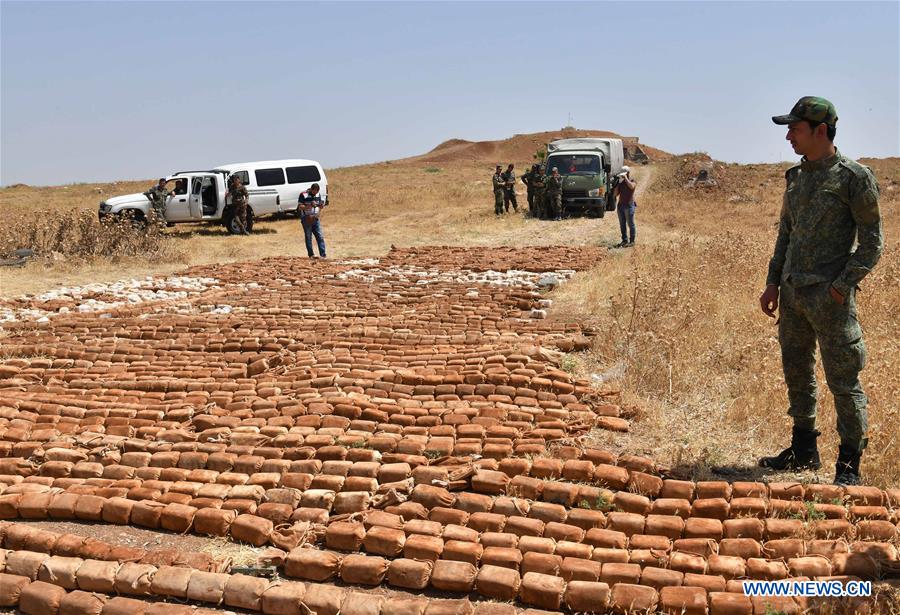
[231,224]
[135,217]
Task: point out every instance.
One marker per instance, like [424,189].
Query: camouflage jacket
[536,182]
[526,179]
[239,195]
[509,180]
[157,196]
[828,204]
[497,181]
[553,184]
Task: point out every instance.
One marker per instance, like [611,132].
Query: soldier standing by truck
[158,195]
[553,188]
[526,179]
[830,205]
[497,182]
[509,189]
[239,199]
[536,186]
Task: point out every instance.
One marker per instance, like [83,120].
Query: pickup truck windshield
[578,164]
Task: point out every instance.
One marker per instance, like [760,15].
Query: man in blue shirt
[311,205]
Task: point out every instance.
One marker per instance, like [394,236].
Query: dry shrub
[80,235]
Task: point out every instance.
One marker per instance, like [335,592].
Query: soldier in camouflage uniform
[553,195]
[830,203]
[526,178]
[158,195]
[498,184]
[509,188]
[239,201]
[536,187]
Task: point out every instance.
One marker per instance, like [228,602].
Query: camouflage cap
[810,108]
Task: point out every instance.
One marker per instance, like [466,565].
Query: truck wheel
[231,223]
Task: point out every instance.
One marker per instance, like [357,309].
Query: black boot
[801,455]
[846,470]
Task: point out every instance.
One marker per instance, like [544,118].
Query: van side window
[269,177]
[300,175]
[244,175]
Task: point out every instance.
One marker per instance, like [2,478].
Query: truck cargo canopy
[612,149]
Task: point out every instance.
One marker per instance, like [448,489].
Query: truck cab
[588,167]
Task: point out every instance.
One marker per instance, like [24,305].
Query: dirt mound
[518,148]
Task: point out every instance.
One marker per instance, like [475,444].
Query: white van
[283,179]
[274,187]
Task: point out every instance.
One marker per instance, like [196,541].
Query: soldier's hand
[836,295]
[768,300]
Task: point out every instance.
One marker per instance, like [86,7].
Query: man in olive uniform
[831,202]
[498,183]
[239,199]
[553,191]
[509,188]
[526,179]
[158,195]
[536,187]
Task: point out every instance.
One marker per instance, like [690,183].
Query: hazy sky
[101,91]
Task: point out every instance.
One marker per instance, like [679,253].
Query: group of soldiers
[544,191]
[159,195]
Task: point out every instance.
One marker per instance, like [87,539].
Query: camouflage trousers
[537,204]
[509,196]
[554,205]
[240,214]
[158,215]
[808,314]
[498,202]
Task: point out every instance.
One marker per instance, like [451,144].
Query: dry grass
[680,320]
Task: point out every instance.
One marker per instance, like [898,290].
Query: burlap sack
[251,529]
[587,596]
[147,514]
[62,506]
[82,603]
[125,606]
[311,564]
[41,598]
[171,581]
[404,606]
[207,587]
[542,590]
[345,535]
[134,579]
[89,507]
[245,592]
[453,576]
[35,505]
[213,521]
[497,582]
[363,569]
[359,603]
[11,586]
[61,571]
[409,574]
[438,606]
[177,518]
[25,563]
[323,599]
[285,598]
[117,510]
[97,576]
[384,541]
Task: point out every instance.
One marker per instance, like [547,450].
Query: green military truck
[589,167]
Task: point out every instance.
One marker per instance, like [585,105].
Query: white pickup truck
[197,196]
